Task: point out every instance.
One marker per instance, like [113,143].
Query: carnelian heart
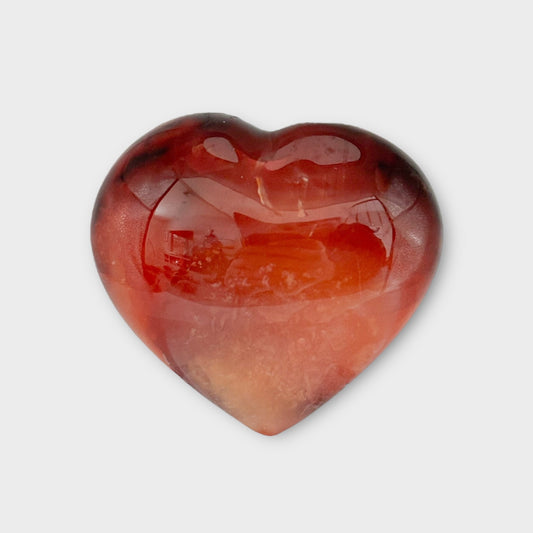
[266,269]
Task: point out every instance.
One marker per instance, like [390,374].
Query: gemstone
[267,269]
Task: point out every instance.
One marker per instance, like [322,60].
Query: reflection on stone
[267,269]
[320,149]
[216,254]
[221,148]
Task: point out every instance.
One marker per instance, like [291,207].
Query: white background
[97,435]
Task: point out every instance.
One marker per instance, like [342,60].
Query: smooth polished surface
[266,269]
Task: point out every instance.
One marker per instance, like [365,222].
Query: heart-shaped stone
[266,269]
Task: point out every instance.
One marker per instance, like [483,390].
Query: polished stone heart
[267,269]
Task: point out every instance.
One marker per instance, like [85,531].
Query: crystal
[267,269]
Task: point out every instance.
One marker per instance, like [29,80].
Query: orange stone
[267,269]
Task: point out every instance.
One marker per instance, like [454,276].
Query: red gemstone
[266,269]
